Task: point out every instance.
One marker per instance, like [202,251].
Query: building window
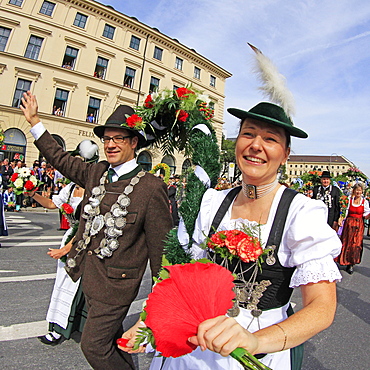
[135,42]
[109,31]
[178,63]
[101,67]
[212,81]
[197,73]
[154,84]
[158,53]
[4,37]
[185,166]
[33,47]
[93,110]
[70,57]
[60,102]
[145,160]
[47,8]
[22,87]
[16,2]
[80,20]
[129,78]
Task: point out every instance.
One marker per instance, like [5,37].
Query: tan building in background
[297,165]
[82,59]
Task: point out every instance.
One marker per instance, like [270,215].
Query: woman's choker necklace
[256,192]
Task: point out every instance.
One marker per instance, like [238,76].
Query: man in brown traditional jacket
[124,222]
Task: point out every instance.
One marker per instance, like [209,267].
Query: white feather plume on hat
[274,83]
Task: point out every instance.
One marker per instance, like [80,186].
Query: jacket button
[89,253]
[123,275]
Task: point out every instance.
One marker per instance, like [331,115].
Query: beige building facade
[297,165]
[82,59]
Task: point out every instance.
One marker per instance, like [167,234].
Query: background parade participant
[330,195]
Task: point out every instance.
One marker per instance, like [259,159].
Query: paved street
[26,281]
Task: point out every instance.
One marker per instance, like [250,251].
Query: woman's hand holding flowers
[223,334]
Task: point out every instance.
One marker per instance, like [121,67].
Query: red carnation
[182,115]
[32,172]
[183,92]
[29,185]
[134,120]
[14,177]
[67,208]
[148,102]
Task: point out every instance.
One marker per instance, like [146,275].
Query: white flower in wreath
[24,172]
[18,183]
[204,97]
[33,180]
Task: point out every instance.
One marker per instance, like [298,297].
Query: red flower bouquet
[24,181]
[192,293]
[230,243]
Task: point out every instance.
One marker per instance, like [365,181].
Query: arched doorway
[145,159]
[186,164]
[59,140]
[14,147]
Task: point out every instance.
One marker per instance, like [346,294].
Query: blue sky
[322,47]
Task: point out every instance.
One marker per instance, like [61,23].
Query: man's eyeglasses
[116,139]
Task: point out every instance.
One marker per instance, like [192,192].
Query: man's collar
[124,168]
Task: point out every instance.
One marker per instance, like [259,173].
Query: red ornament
[122,342]
[194,292]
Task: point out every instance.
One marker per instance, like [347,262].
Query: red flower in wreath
[66,208]
[134,120]
[14,177]
[148,103]
[28,185]
[183,92]
[182,115]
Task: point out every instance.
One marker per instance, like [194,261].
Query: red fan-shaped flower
[193,293]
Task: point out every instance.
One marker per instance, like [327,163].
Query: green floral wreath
[162,166]
[182,120]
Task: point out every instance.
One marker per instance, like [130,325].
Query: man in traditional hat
[124,222]
[330,195]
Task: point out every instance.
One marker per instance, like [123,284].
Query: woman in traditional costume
[300,248]
[353,230]
[66,313]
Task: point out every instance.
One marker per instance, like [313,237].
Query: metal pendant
[234,310]
[106,252]
[95,202]
[270,260]
[113,244]
[123,200]
[109,222]
[256,313]
[97,224]
[71,263]
[120,222]
[96,191]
